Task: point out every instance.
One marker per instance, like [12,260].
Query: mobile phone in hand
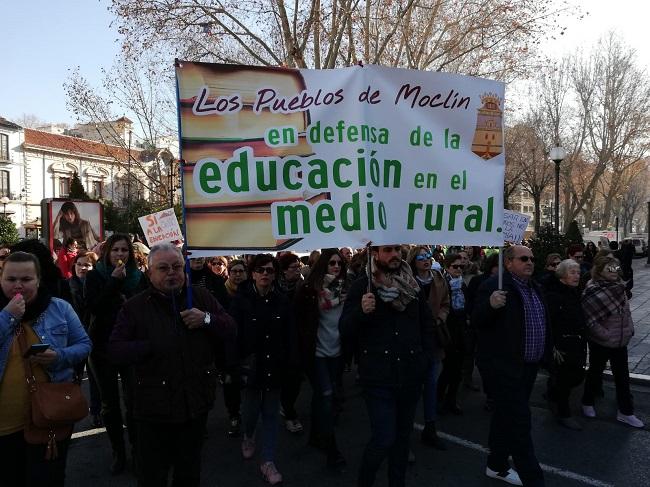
[36,348]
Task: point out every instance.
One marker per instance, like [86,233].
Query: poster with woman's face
[81,220]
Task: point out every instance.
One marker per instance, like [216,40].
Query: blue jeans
[430,396]
[266,403]
[323,378]
[392,412]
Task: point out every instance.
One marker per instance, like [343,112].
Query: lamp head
[557,154]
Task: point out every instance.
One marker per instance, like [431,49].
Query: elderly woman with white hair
[570,346]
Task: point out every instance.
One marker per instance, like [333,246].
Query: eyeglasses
[217,262]
[166,268]
[526,258]
[456,266]
[613,268]
[334,262]
[237,271]
[264,270]
[554,264]
[422,257]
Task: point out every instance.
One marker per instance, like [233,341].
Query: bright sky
[45,38]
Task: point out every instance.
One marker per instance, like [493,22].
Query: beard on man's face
[391,265]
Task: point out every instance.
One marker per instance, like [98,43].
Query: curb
[638,379]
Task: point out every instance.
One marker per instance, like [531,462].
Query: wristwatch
[206,319]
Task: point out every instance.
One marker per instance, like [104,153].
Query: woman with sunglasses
[450,377]
[609,330]
[219,265]
[266,339]
[318,304]
[428,274]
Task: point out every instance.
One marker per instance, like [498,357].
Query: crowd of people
[414,321]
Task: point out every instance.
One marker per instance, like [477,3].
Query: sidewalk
[639,347]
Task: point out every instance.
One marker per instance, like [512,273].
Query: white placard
[514,226]
[161,227]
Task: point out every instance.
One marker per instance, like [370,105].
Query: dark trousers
[232,398]
[163,446]
[323,378]
[511,423]
[106,375]
[450,377]
[391,412]
[469,356]
[289,393]
[95,398]
[598,357]
[24,465]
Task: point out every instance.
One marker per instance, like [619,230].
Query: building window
[4,184]
[64,186]
[97,189]
[4,147]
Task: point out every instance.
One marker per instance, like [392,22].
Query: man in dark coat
[393,326]
[172,351]
[514,338]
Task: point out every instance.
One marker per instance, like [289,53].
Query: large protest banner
[278,158]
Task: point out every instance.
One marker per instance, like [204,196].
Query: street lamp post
[557,155]
[4,200]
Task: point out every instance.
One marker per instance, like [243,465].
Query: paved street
[639,348]
[605,454]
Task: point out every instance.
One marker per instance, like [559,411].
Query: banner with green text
[300,159]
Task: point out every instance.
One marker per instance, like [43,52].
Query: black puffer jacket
[394,346]
[266,336]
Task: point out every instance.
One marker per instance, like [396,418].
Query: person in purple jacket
[171,347]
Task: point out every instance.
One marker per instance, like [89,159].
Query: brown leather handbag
[54,408]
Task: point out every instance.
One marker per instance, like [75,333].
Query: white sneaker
[632,420]
[509,476]
[588,411]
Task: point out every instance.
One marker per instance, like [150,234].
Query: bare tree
[144,90]
[29,120]
[481,37]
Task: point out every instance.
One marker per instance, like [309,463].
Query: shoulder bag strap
[29,373]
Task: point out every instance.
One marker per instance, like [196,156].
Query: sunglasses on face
[265,270]
[456,266]
[554,264]
[422,257]
[526,258]
[334,263]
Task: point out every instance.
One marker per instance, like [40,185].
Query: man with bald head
[171,346]
[514,338]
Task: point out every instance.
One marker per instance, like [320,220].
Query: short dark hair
[20,257]
[451,258]
[285,260]
[262,259]
[574,248]
[69,241]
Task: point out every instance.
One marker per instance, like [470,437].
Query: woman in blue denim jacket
[43,319]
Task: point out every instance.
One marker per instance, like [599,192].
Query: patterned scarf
[331,295]
[601,299]
[457,295]
[397,288]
